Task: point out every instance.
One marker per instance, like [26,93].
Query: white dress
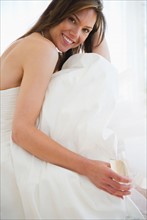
[77,109]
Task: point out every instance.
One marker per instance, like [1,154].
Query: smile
[68,40]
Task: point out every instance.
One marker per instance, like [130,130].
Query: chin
[60,48]
[63,50]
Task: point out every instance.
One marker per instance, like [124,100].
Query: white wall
[17,16]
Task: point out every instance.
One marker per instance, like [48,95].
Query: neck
[60,52]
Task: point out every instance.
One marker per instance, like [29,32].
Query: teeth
[68,40]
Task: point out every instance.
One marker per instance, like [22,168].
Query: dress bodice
[8,103]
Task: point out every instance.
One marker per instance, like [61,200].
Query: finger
[107,190]
[115,192]
[119,178]
[118,186]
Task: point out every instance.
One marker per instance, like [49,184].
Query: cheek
[64,25]
[83,38]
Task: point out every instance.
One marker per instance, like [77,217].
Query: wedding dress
[78,106]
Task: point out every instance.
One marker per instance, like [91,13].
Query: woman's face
[74,30]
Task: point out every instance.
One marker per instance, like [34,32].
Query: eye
[71,19]
[86,30]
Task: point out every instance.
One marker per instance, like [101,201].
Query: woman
[37,168]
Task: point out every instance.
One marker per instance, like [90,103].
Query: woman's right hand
[103,177]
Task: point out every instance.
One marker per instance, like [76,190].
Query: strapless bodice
[8,103]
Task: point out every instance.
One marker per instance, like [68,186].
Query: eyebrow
[80,21]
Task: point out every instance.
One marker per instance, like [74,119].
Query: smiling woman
[58,16]
[56,107]
[73,31]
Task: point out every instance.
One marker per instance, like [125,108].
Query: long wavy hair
[58,10]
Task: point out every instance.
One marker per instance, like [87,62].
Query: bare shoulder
[29,47]
[34,45]
[32,56]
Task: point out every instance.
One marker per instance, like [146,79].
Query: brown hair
[58,10]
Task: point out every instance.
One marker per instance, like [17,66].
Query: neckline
[12,88]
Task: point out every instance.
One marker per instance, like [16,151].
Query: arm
[38,63]
[37,72]
[102,49]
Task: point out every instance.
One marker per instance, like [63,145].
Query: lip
[67,40]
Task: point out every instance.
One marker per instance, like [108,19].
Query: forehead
[87,16]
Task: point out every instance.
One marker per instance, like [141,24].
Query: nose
[75,32]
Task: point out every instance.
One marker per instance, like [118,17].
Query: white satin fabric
[78,106]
